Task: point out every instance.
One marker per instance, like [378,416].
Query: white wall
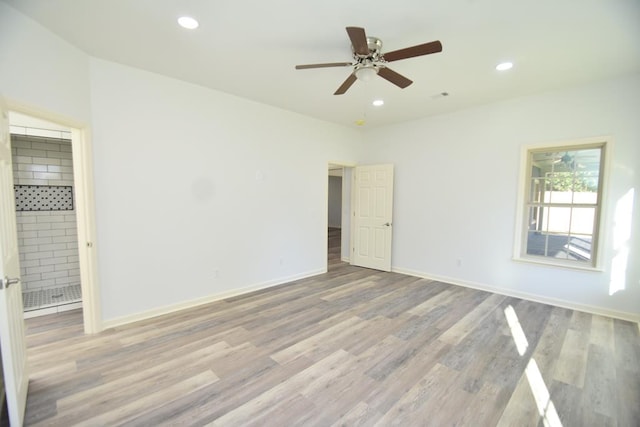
[41,70]
[190,181]
[456,188]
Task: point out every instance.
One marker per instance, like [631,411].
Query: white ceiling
[250,48]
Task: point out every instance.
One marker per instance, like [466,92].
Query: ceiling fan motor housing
[367,66]
[375,47]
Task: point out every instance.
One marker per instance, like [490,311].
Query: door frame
[81,147]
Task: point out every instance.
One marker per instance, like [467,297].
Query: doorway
[339,213]
[368,192]
[54,216]
[45,216]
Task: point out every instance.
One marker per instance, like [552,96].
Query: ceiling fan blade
[327,65]
[410,52]
[395,78]
[358,40]
[346,85]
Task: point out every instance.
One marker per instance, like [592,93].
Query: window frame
[524,192]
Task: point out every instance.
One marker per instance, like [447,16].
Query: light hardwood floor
[348,348]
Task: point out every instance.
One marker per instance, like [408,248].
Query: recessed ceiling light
[188,22]
[504,66]
[378,102]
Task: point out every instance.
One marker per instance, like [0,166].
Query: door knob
[6,282]
[387,224]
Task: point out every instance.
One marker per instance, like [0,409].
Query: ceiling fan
[567,160]
[368,60]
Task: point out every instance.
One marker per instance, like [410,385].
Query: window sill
[560,264]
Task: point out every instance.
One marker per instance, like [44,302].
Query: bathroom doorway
[45,215]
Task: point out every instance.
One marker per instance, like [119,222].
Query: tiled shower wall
[47,239]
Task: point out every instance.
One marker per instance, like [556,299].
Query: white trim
[343,164]
[520,193]
[550,262]
[352,215]
[632,317]
[85,216]
[167,309]
[347,218]
[325,227]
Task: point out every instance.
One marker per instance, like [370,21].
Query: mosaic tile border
[43,198]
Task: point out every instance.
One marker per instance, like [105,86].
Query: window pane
[585,187]
[559,189]
[548,245]
[579,247]
[536,186]
[535,218]
[536,243]
[582,220]
[536,191]
[558,246]
[556,219]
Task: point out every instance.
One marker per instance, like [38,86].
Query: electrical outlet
[459,262]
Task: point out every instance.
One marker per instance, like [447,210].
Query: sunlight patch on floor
[541,395]
[516,330]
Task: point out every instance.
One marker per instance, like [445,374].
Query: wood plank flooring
[353,347]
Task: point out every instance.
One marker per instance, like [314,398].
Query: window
[562,204]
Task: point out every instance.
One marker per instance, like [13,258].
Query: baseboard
[632,317]
[120,321]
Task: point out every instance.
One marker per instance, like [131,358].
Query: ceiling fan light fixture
[188,22]
[366,73]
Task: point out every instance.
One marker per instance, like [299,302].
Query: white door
[373,209]
[12,340]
